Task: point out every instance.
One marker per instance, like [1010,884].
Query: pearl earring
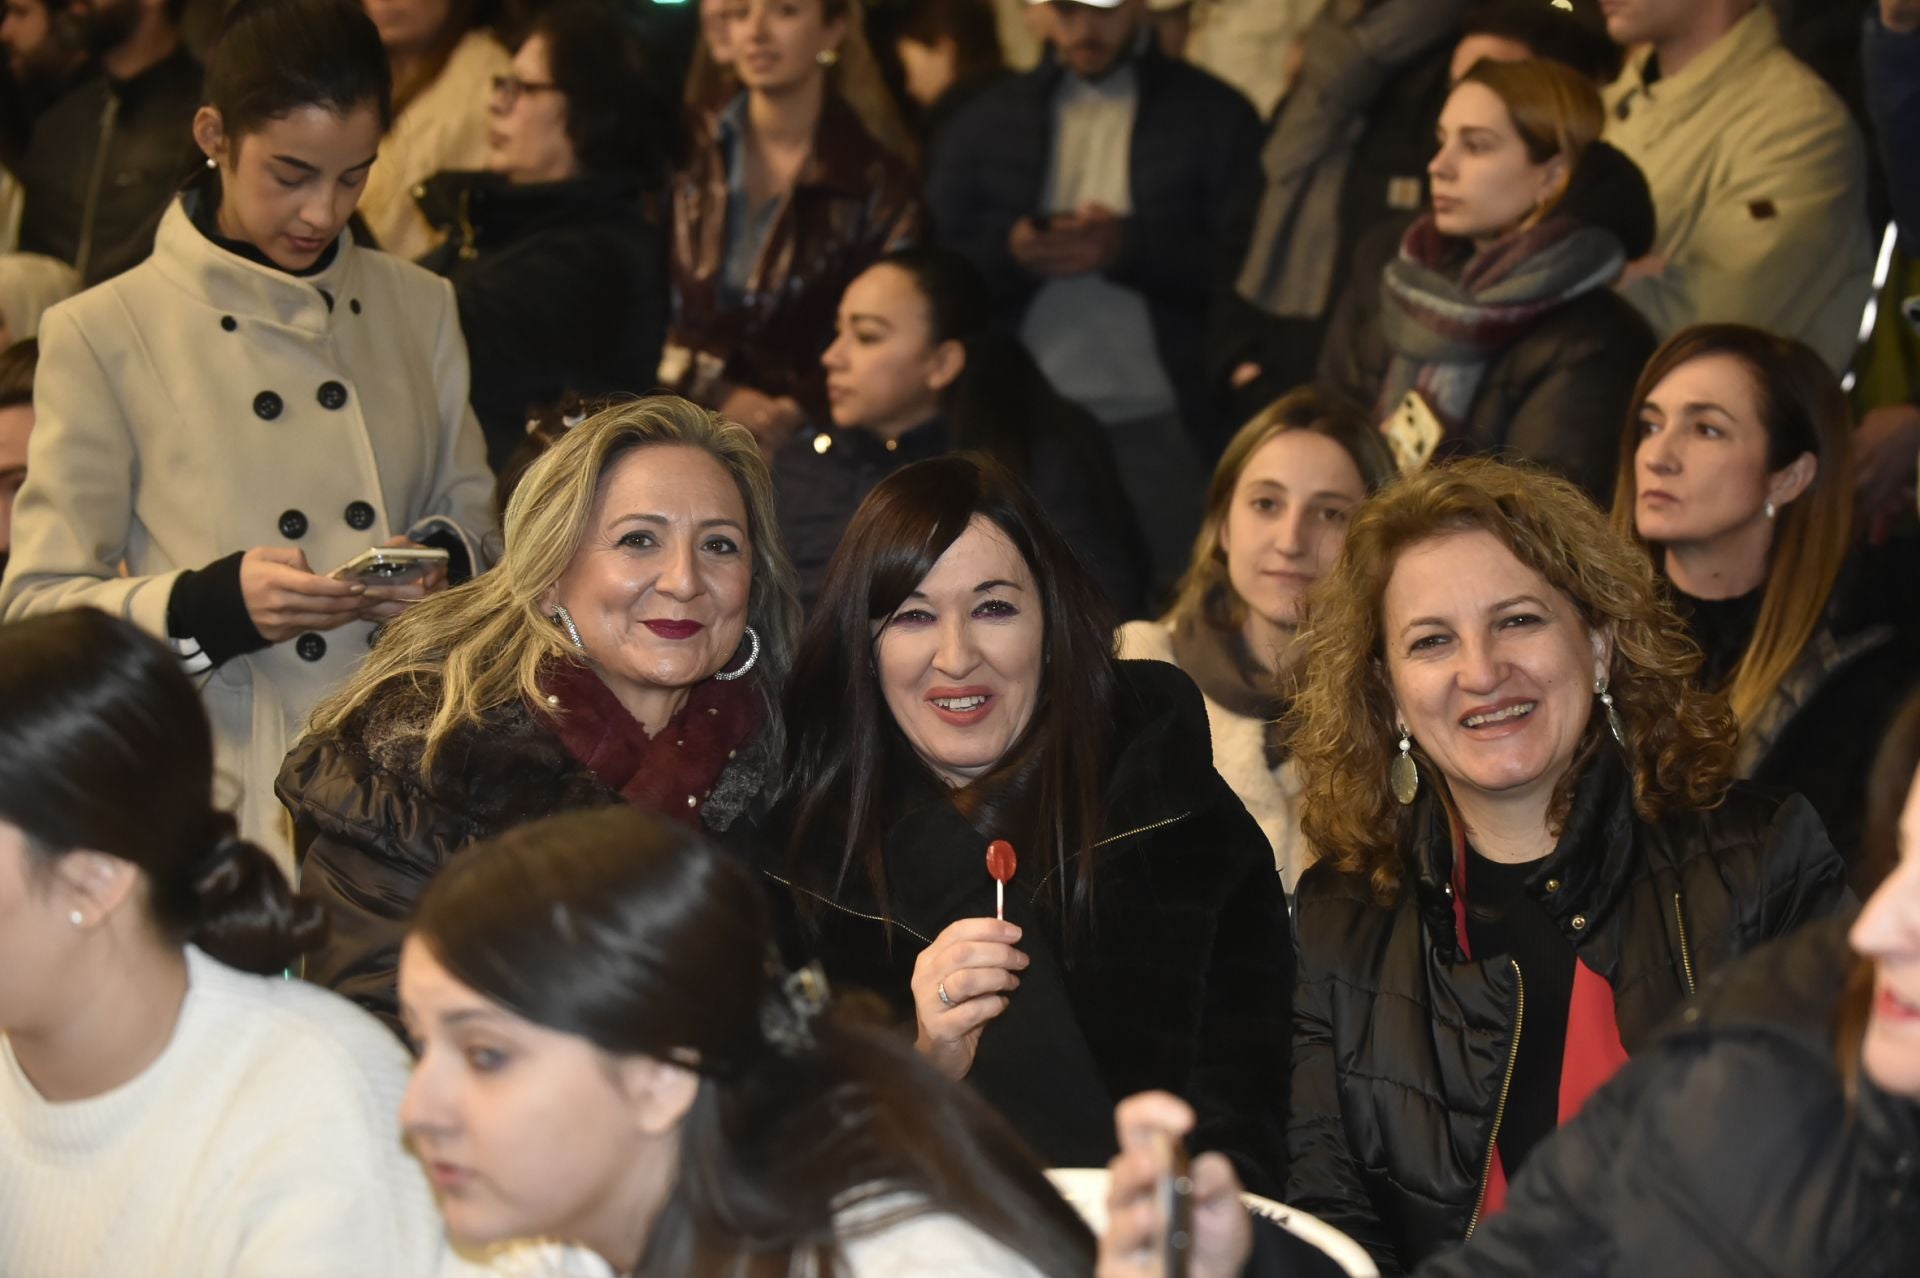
[1403,775]
[76,918]
[1770,510]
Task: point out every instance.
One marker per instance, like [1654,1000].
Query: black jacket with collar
[105,161]
[1727,1149]
[369,831]
[1401,1046]
[561,286]
[1183,984]
[1193,176]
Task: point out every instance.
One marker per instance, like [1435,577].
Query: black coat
[1727,1149]
[821,477]
[1185,981]
[1401,1046]
[369,832]
[127,172]
[1194,171]
[1558,395]
[561,287]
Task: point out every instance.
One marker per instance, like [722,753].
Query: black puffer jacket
[1185,981]
[1726,1149]
[1401,1046]
[562,288]
[369,832]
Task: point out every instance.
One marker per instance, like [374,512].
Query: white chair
[1086,1189]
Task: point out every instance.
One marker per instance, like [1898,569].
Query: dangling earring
[564,620]
[1404,775]
[827,57]
[1771,512]
[753,655]
[1613,716]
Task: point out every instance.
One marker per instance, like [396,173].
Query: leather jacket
[1402,1046]
[851,203]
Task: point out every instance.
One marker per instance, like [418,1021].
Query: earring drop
[1771,512]
[1403,774]
[564,620]
[1613,716]
[76,918]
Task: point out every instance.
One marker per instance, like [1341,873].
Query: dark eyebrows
[295,162]
[997,583]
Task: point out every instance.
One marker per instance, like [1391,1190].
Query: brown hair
[1804,411]
[1679,738]
[1204,591]
[1555,110]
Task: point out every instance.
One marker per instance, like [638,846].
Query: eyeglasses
[508,88]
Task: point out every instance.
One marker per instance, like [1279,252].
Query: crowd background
[1402,511]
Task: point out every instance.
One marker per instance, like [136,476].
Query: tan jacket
[445,127]
[1759,179]
[182,414]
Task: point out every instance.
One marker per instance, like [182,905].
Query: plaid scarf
[1445,321]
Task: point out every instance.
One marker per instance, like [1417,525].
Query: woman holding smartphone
[256,404]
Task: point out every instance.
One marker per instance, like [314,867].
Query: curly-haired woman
[1532,845]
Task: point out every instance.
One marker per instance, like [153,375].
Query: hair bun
[247,914]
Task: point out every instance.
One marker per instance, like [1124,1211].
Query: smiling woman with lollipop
[957,687]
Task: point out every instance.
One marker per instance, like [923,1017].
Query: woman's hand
[285,597]
[1131,1246]
[771,420]
[383,603]
[974,961]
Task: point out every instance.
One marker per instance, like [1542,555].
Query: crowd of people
[728,640]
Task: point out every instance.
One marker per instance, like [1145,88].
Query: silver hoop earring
[564,620]
[1771,512]
[1403,774]
[1613,716]
[753,655]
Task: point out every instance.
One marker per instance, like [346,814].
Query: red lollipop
[1001,863]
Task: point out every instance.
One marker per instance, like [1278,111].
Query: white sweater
[262,1143]
[1271,795]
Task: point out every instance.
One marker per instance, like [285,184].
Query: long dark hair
[630,932]
[104,747]
[273,57]
[1804,411]
[851,772]
[617,119]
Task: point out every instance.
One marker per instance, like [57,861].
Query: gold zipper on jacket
[1686,958]
[1506,1085]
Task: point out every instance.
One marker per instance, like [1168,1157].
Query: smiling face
[659,585]
[777,44]
[527,141]
[884,370]
[525,1131]
[1888,932]
[1484,182]
[1700,468]
[1287,520]
[1491,668]
[288,187]
[959,661]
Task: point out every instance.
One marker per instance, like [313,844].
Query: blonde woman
[1736,473]
[1533,848]
[1276,514]
[629,647]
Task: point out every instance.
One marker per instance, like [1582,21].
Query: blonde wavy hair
[1206,591]
[483,644]
[1679,738]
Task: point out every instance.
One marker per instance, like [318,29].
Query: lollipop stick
[1000,901]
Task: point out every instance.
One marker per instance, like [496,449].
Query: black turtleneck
[203,196]
[1503,920]
[1723,628]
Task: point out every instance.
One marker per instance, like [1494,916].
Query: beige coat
[156,447]
[1759,182]
[445,127]
[1270,795]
